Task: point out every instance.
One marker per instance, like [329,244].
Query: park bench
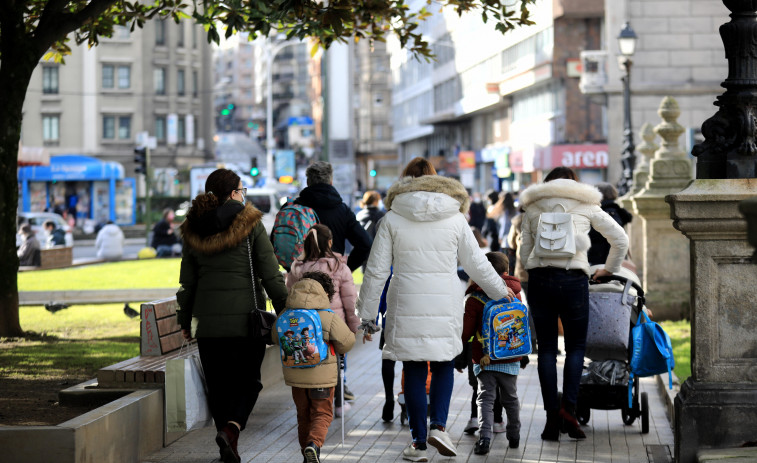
[160,340]
[56,257]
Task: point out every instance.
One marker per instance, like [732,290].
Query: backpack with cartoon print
[504,329]
[300,334]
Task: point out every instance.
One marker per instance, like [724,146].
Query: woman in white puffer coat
[421,239]
[559,286]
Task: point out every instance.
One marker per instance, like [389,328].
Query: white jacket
[110,242]
[422,237]
[582,201]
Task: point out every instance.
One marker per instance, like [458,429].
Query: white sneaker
[499,427]
[339,411]
[442,442]
[471,427]
[413,454]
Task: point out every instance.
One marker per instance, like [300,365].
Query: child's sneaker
[443,443]
[413,453]
[339,411]
[499,427]
[472,426]
[482,446]
[311,453]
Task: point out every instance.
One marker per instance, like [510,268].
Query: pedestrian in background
[490,231]
[321,196]
[370,214]
[420,240]
[55,235]
[109,243]
[29,251]
[559,287]
[164,239]
[225,241]
[600,248]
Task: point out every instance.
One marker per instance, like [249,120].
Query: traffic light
[140,158]
[373,172]
[254,171]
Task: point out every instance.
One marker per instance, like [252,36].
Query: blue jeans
[442,380]
[554,292]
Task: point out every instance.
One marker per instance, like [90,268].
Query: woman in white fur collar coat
[559,286]
[422,237]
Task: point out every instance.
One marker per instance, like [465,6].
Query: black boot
[387,414]
[552,429]
[569,422]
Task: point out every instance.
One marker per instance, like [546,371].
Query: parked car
[37,221]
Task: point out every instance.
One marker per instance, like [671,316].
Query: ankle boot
[552,429]
[569,422]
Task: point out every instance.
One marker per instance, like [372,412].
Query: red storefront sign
[589,156]
[467,159]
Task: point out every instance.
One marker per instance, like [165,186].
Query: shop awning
[72,168]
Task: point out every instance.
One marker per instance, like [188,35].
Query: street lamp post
[627,44]
[270,143]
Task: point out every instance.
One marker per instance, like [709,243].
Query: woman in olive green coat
[216,296]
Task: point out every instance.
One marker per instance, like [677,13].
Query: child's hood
[307,294]
[511,282]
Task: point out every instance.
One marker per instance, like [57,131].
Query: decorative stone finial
[647,148]
[670,170]
[669,130]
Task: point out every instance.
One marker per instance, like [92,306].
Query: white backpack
[555,235]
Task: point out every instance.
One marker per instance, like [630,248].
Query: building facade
[156,80]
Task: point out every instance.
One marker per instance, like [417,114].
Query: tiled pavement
[271,434]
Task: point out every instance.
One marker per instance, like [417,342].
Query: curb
[668,395]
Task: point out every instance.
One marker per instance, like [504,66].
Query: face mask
[244,200]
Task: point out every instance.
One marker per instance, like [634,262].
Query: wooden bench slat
[168,325]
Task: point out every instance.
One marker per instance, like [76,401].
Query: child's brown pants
[315,410]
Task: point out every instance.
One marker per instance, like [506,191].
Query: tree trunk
[18,60]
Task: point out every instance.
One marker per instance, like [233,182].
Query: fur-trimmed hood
[560,188]
[240,228]
[427,198]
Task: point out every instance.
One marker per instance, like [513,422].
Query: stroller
[614,303]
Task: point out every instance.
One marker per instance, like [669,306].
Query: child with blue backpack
[319,256]
[498,374]
[313,385]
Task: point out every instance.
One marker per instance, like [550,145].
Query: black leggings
[232,373]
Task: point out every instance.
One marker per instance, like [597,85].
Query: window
[180,35]
[180,82]
[181,129]
[124,127]
[160,32]
[121,33]
[51,128]
[194,35]
[108,70]
[124,77]
[159,77]
[50,79]
[160,128]
[116,127]
[194,84]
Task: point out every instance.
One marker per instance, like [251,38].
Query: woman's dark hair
[218,187]
[499,261]
[561,172]
[418,167]
[324,279]
[509,204]
[317,244]
[479,237]
[370,198]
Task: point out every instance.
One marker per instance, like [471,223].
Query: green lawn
[680,337]
[150,273]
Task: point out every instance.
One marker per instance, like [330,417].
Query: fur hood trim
[560,188]
[239,230]
[430,183]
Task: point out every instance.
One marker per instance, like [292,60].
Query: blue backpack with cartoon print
[300,334]
[504,330]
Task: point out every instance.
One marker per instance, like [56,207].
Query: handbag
[186,395]
[260,321]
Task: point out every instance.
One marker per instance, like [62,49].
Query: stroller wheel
[644,413]
[583,414]
[628,415]
[403,414]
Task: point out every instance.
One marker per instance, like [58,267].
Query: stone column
[635,229]
[717,405]
[666,280]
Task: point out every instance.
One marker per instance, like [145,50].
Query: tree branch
[66,23]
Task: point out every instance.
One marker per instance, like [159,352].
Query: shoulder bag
[260,322]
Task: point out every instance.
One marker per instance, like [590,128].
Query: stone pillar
[717,405]
[635,229]
[666,280]
[749,209]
